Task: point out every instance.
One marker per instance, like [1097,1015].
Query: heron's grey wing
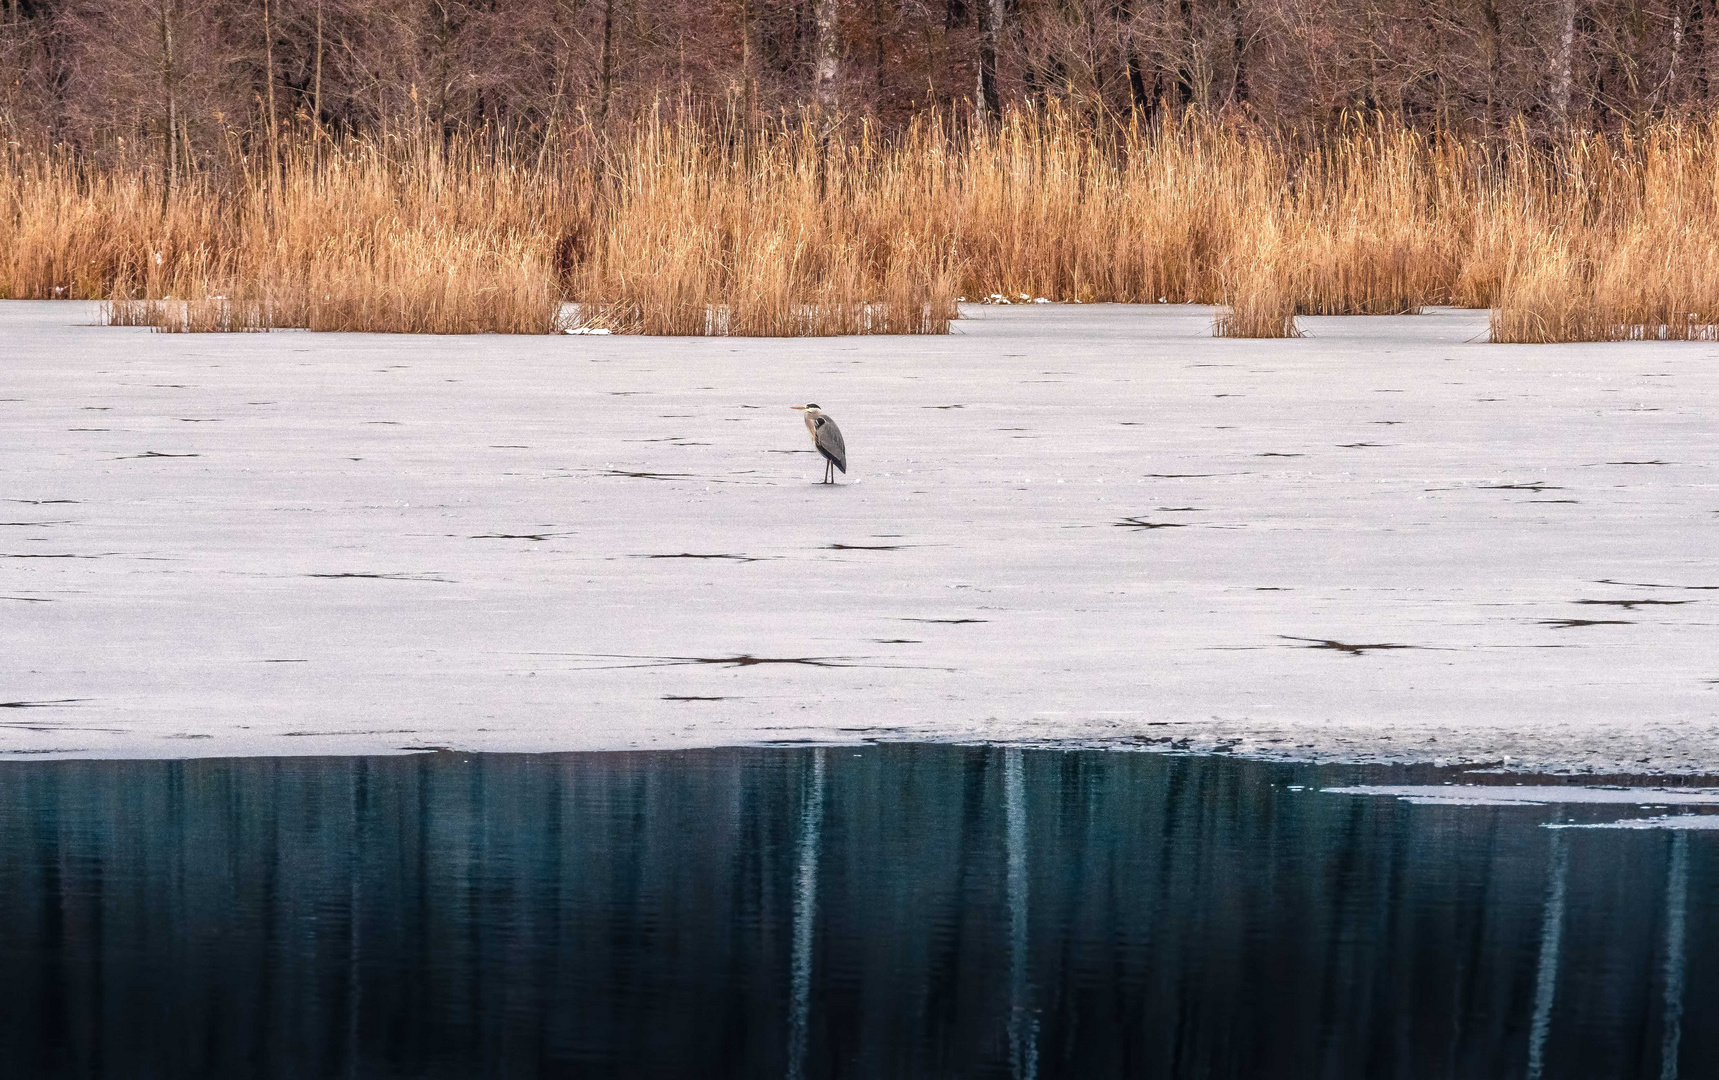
[830,443]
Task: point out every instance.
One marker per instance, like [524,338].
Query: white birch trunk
[826,73]
[1561,62]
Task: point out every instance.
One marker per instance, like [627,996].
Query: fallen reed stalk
[687,226]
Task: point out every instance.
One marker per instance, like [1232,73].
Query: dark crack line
[1536,486]
[387,577]
[742,660]
[738,660]
[1343,646]
[52,750]
[316,734]
[1631,605]
[1142,523]
[1651,585]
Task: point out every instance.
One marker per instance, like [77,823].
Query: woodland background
[90,73]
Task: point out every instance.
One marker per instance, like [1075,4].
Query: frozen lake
[1388,540]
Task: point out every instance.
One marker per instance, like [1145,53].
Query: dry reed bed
[685,227]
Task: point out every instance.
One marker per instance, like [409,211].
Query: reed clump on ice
[707,226]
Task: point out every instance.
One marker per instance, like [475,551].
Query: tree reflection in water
[913,911]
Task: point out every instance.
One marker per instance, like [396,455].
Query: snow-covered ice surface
[1691,822]
[1385,541]
[1534,795]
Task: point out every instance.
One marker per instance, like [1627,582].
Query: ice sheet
[1686,822]
[1387,540]
[1533,794]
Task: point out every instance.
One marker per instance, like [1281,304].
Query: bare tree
[826,72]
[165,16]
[180,76]
[316,79]
[1561,62]
[273,119]
[606,77]
[988,101]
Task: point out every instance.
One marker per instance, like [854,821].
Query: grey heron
[827,437]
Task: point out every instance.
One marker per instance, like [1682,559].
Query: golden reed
[802,228]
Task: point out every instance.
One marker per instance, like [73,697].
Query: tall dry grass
[1617,239]
[786,233]
[686,226]
[371,235]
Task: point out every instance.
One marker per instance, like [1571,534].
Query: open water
[916,911]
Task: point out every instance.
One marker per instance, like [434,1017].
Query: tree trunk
[444,45]
[877,46]
[826,71]
[1493,47]
[1142,97]
[989,102]
[1699,60]
[607,74]
[748,84]
[1668,95]
[1185,62]
[1137,82]
[170,90]
[1238,79]
[269,94]
[316,81]
[1561,62]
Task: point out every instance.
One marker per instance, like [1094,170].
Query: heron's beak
[798,408]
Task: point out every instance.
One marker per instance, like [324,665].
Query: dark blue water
[886,911]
